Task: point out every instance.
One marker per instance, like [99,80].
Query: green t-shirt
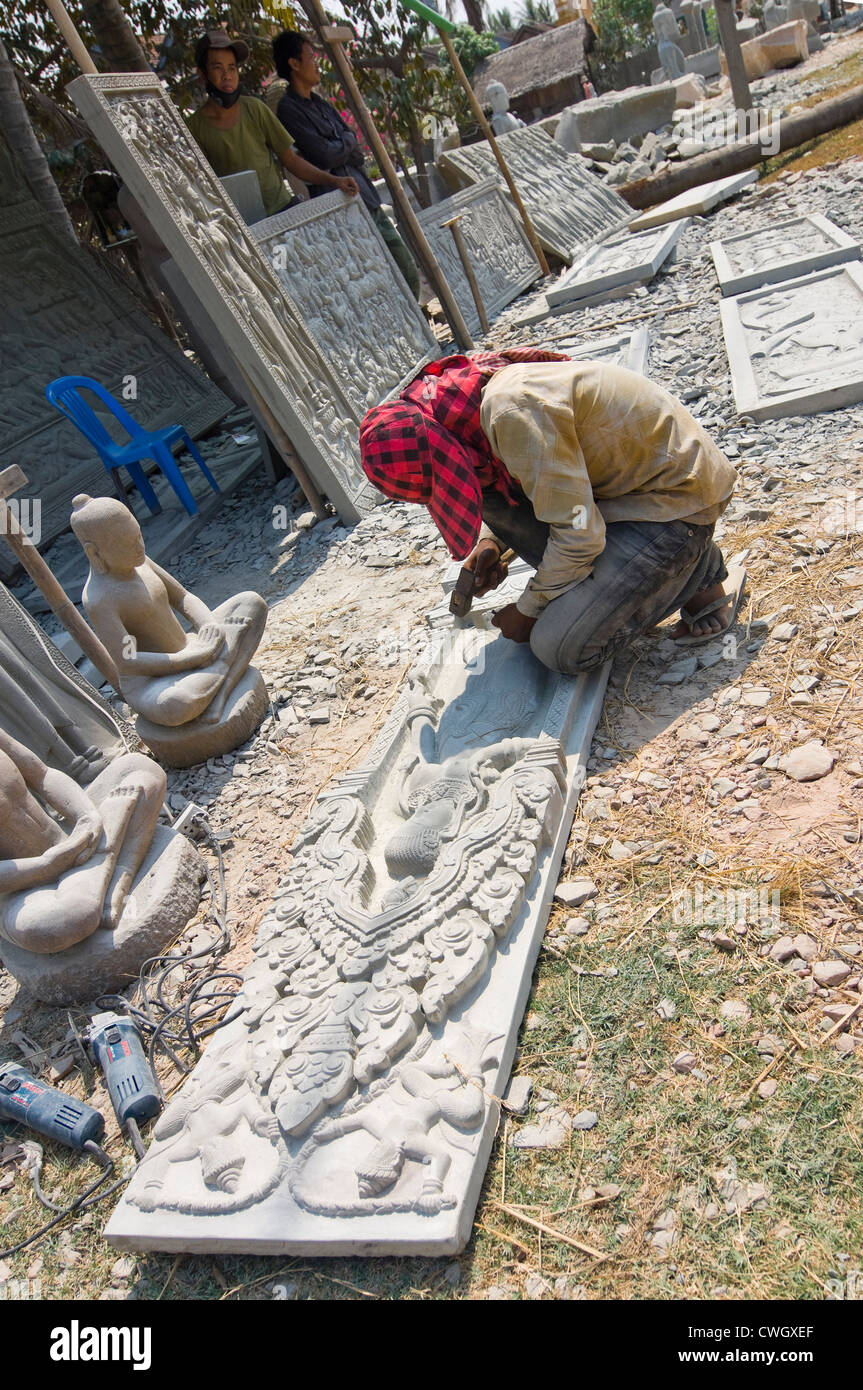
[255,142]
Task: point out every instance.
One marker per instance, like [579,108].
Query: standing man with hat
[239,132]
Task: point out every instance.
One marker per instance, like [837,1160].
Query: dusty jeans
[647,570]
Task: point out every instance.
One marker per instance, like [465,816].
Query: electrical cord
[152,1016]
[86,1199]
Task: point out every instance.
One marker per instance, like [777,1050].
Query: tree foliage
[623,27]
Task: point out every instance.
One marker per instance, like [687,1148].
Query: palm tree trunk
[21,139]
[115,36]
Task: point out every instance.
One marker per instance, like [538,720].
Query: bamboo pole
[60,15]
[493,146]
[333,40]
[732,159]
[467,266]
[25,552]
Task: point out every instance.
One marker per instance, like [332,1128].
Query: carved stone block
[149,144]
[63,315]
[797,348]
[570,207]
[331,259]
[696,200]
[503,259]
[165,897]
[780,251]
[630,259]
[352,1108]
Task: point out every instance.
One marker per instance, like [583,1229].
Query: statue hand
[210,640]
[85,836]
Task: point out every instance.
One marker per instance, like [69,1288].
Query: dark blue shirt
[324,139]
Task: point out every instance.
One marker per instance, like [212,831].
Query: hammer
[461,597]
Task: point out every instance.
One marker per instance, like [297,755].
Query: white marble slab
[797,347]
[630,259]
[780,251]
[353,1108]
[696,201]
[331,259]
[569,206]
[503,259]
[150,146]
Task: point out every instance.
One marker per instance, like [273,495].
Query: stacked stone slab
[797,347]
[358,308]
[503,259]
[570,207]
[151,148]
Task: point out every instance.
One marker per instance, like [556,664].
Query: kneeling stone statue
[195,694]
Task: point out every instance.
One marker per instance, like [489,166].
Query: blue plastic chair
[143,444]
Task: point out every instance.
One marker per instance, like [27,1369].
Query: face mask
[225,99]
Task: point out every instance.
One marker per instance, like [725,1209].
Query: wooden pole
[733,159]
[61,18]
[11,479]
[730,39]
[493,146]
[464,256]
[333,40]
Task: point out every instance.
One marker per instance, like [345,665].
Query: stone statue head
[497,97]
[109,534]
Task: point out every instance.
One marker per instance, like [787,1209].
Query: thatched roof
[537,63]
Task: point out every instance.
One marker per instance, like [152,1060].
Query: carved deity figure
[671,55]
[502,119]
[170,676]
[416,1118]
[69,858]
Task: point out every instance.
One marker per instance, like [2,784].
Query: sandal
[733,585]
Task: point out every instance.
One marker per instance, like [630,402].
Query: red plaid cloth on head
[428,444]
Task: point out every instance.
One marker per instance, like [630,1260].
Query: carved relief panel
[333,262]
[155,154]
[501,255]
[569,206]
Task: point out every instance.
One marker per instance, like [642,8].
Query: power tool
[31,1103]
[134,1091]
[461,597]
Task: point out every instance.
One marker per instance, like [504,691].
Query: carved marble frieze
[780,251]
[353,1104]
[569,206]
[502,258]
[63,315]
[150,146]
[331,259]
[797,347]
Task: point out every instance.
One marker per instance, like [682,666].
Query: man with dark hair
[325,139]
[239,132]
[594,475]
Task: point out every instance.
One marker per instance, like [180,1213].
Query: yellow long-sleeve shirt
[592,443]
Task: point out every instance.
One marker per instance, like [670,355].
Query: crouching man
[594,475]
